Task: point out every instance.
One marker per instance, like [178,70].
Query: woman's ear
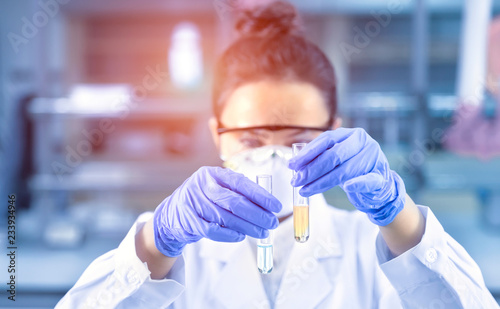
[337,123]
[212,125]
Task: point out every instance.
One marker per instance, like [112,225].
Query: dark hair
[272,46]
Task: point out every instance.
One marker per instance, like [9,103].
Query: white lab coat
[345,264]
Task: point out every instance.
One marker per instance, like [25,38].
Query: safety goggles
[235,140]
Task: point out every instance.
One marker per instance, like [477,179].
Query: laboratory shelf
[444,170]
[171,108]
[119,177]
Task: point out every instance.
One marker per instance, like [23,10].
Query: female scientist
[273,88]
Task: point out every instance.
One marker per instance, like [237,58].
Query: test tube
[265,246]
[300,206]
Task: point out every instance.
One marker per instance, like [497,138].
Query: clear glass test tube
[300,206]
[265,246]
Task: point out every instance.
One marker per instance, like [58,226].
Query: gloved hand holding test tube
[265,245]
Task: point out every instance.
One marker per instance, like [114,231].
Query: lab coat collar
[304,284]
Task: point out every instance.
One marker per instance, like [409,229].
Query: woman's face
[270,103]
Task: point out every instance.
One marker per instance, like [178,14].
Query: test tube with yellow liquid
[300,206]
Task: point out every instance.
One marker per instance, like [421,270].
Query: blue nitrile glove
[352,159]
[215,203]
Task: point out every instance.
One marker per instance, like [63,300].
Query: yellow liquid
[301,223]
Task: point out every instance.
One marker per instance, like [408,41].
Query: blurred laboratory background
[104,108]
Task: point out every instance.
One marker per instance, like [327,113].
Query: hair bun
[275,18]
